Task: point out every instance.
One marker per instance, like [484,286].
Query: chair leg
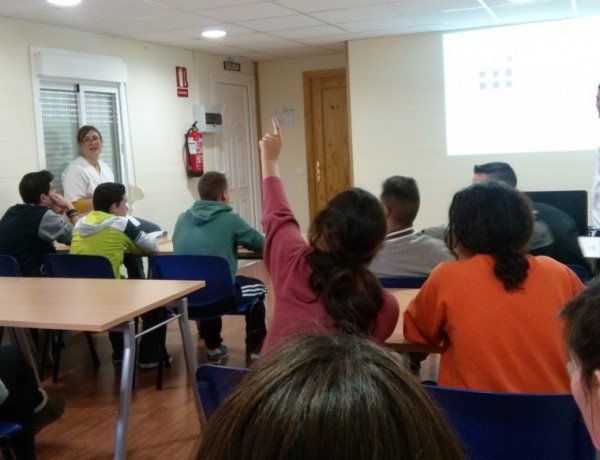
[88,336]
[163,357]
[45,337]
[57,346]
[1,333]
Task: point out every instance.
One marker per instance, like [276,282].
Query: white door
[238,153]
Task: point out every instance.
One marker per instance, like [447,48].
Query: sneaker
[152,363]
[49,413]
[215,355]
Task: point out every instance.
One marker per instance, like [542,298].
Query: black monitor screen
[573,202]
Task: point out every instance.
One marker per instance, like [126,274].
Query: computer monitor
[573,202]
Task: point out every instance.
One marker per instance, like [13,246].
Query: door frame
[228,78]
[309,135]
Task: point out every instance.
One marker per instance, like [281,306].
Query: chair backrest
[77,266]
[409,282]
[214,384]
[7,447]
[581,272]
[494,425]
[9,266]
[218,295]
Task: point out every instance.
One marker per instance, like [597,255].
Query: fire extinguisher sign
[182,81]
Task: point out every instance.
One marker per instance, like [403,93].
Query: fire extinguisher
[193,152]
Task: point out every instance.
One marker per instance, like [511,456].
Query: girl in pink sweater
[323,284]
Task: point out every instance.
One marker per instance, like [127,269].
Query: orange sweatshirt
[494,339]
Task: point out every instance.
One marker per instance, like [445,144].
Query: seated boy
[107,231]
[28,230]
[210,228]
[405,252]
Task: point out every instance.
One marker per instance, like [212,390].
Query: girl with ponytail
[323,284]
[495,309]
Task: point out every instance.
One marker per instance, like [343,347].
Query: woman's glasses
[88,140]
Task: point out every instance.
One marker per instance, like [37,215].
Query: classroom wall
[280,84]
[158,118]
[397,119]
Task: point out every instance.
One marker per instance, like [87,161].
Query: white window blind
[63,113]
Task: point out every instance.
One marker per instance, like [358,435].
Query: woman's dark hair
[346,235]
[493,218]
[84,130]
[582,330]
[326,397]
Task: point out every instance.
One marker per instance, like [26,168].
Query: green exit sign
[229,65]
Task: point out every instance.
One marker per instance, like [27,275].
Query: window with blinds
[64,110]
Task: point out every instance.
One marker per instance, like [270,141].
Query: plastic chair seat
[408,282]
[496,425]
[7,430]
[214,383]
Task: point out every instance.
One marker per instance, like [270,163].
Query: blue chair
[72,266]
[8,267]
[214,384]
[500,426]
[7,430]
[216,299]
[581,272]
[408,282]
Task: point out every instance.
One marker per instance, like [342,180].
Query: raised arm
[270,147]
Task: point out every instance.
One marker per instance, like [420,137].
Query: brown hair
[345,236]
[493,218]
[582,330]
[84,130]
[327,396]
[211,185]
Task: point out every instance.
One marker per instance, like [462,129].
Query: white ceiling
[275,29]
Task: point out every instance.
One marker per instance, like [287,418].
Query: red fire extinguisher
[193,152]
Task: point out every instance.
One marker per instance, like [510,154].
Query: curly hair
[346,235]
[493,218]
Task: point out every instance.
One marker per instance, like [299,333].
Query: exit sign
[229,65]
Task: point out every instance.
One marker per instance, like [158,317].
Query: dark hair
[493,218]
[401,195]
[345,236]
[33,184]
[83,132]
[328,397]
[107,194]
[582,330]
[211,185]
[497,171]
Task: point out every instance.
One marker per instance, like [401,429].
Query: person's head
[36,187]
[496,171]
[328,397]
[213,186]
[89,141]
[582,337]
[345,236]
[492,218]
[110,197]
[400,198]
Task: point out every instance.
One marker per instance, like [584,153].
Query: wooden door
[237,157]
[327,136]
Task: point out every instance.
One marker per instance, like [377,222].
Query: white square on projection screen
[526,88]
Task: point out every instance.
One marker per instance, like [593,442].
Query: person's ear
[113,208]
[387,210]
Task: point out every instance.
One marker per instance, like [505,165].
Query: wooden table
[97,305]
[396,341]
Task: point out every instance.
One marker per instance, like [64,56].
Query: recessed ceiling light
[214,33]
[64,2]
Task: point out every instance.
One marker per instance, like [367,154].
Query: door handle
[318,168]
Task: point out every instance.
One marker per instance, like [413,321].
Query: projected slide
[526,88]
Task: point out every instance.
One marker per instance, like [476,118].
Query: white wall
[397,120]
[158,118]
[280,84]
